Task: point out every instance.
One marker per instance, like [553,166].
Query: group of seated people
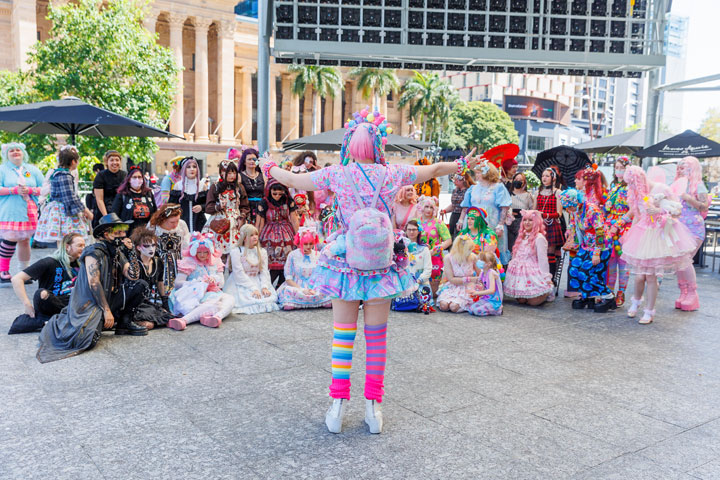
[136,276]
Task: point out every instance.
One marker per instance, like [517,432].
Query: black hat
[107,221]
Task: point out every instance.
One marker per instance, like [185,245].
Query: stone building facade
[215,108]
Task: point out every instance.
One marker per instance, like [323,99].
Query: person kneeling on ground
[198,294]
[98,298]
[146,265]
[55,276]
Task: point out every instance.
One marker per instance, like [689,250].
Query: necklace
[252,177]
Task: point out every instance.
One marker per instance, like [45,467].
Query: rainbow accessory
[378,128]
[267,166]
[462,166]
[572,198]
[200,241]
[481,211]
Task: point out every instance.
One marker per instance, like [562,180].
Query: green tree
[375,83]
[16,88]
[322,81]
[483,125]
[710,126]
[104,56]
[429,99]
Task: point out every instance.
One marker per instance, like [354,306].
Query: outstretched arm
[298,181]
[426,172]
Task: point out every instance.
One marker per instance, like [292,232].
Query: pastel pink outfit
[333,276]
[451,293]
[528,274]
[403,213]
[657,245]
[214,303]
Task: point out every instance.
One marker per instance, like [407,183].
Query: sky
[702,55]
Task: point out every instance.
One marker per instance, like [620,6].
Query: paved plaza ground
[539,393]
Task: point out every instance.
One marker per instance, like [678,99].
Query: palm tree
[429,99]
[322,81]
[375,82]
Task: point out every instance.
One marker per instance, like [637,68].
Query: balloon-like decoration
[378,127]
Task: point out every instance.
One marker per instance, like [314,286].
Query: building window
[537,143]
[254,105]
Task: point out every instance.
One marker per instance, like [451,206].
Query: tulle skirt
[335,278]
[294,297]
[661,247]
[450,293]
[525,280]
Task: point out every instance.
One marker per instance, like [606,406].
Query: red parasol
[496,155]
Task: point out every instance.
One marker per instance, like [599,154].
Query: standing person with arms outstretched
[357,264]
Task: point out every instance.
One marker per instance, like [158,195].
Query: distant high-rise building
[675,43]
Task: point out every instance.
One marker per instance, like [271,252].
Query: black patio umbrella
[682,145]
[332,141]
[569,160]
[626,143]
[71,116]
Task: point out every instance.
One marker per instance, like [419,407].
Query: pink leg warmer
[376,358]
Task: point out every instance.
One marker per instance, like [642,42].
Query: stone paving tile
[610,423]
[45,455]
[707,471]
[544,393]
[632,466]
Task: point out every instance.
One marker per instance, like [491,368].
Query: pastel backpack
[369,238]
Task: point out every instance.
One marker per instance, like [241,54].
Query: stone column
[290,110]
[404,129]
[246,105]
[226,80]
[150,20]
[272,120]
[24,30]
[383,108]
[337,120]
[177,120]
[201,78]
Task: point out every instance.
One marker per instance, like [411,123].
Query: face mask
[518,184]
[136,183]
[148,251]
[118,242]
[480,264]
[620,174]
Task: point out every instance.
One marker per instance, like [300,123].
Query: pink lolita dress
[451,293]
[528,275]
[657,244]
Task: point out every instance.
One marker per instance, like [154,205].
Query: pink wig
[694,176]
[361,145]
[425,200]
[305,236]
[638,189]
[538,228]
[203,242]
[185,163]
[400,196]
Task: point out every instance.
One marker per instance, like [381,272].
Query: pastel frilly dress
[333,276]
[19,213]
[248,276]
[217,303]
[657,244]
[451,293]
[299,268]
[528,274]
[488,305]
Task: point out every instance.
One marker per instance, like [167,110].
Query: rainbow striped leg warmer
[376,341]
[342,350]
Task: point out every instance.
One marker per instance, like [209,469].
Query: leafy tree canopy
[483,125]
[104,56]
[710,126]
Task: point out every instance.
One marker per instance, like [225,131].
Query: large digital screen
[531,107]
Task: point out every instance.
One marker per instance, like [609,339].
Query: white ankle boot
[373,416]
[634,307]
[335,414]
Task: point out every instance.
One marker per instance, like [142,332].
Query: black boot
[580,303]
[605,304]
[128,327]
